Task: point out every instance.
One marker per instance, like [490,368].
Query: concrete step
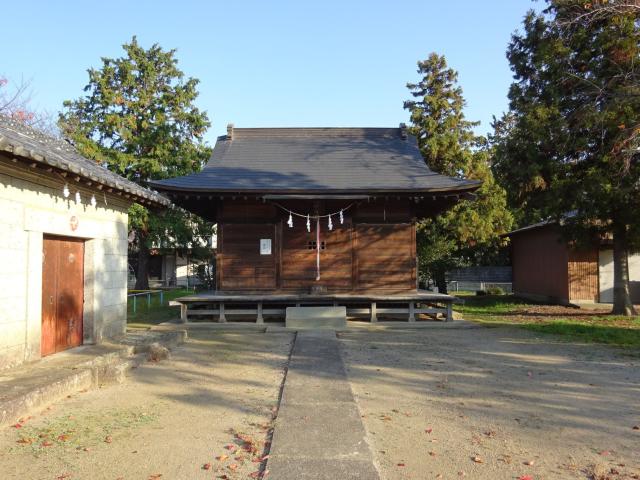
[30,387]
[316,318]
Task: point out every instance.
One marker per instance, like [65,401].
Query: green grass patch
[589,332]
[572,324]
[77,432]
[147,315]
[490,304]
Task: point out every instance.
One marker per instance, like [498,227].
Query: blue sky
[274,63]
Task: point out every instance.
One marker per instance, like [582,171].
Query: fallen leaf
[108,439]
[63,438]
[605,453]
[529,462]
[222,457]
[636,427]
[429,430]
[206,466]
[525,477]
[63,476]
[46,443]
[433,454]
[254,474]
[17,425]
[461,474]
[155,476]
[233,467]
[477,459]
[401,465]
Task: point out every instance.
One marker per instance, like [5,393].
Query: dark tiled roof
[23,141]
[316,160]
[545,223]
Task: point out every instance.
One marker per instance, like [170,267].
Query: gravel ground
[495,403]
[213,398]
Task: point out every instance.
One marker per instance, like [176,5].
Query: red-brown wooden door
[62,293]
[299,256]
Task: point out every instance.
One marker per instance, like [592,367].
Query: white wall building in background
[63,246]
[605,267]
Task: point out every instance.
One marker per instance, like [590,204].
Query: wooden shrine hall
[316,216]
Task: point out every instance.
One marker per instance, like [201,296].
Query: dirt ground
[495,403]
[211,403]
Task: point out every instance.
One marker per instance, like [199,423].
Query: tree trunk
[441,281]
[142,274]
[621,297]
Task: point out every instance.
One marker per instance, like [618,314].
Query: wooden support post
[374,312]
[412,315]
[222,318]
[149,300]
[259,318]
[183,312]
[449,317]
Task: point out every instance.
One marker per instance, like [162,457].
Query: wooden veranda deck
[220,305]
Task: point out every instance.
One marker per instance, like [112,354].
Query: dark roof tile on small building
[316,160]
[26,142]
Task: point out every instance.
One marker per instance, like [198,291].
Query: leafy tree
[470,231]
[570,142]
[139,119]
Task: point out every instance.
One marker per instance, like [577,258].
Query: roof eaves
[13,147]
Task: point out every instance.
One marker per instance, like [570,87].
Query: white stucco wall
[605,275]
[31,205]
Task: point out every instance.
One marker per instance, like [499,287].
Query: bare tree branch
[15,102]
[586,12]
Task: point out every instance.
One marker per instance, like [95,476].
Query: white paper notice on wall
[265,246]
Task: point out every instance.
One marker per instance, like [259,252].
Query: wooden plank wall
[373,250]
[583,274]
[240,264]
[298,270]
[539,258]
[385,257]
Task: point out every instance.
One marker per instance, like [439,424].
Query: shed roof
[316,160]
[42,149]
[544,223]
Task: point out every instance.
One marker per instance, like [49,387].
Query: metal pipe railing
[148,294]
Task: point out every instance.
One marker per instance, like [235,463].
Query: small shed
[63,246]
[325,211]
[546,267]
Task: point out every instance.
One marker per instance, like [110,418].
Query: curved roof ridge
[23,141]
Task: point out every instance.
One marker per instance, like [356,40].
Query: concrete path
[318,433]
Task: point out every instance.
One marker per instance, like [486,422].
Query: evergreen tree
[138,118]
[570,142]
[470,231]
